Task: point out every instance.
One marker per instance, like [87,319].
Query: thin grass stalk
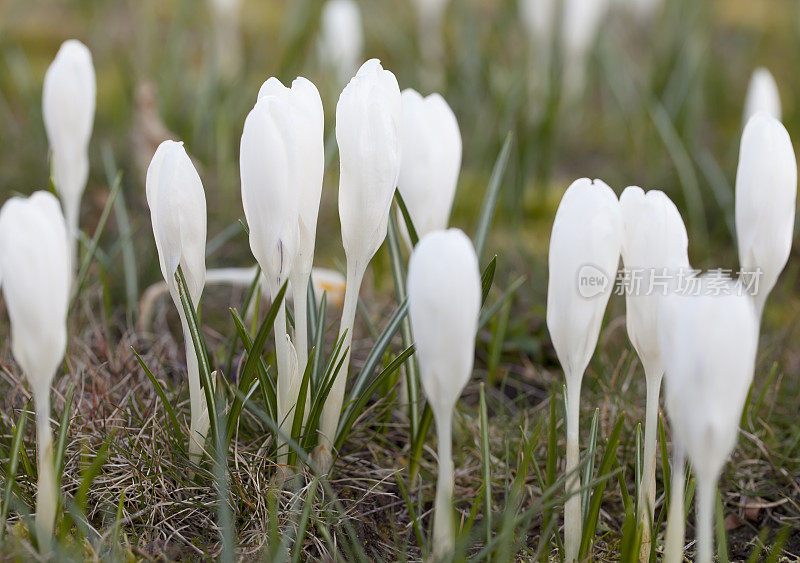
[646,500]
[673,544]
[332,409]
[443,525]
[284,385]
[573,520]
[46,492]
[300,283]
[198,418]
[706,492]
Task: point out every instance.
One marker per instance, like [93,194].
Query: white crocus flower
[708,345]
[368,121]
[35,262]
[444,300]
[654,245]
[68,105]
[178,214]
[766,191]
[762,95]
[431,148]
[582,261]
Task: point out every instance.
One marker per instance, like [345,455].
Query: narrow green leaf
[358,403]
[486,464]
[98,232]
[11,471]
[487,277]
[168,408]
[412,232]
[490,199]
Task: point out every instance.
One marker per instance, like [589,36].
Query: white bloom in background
[69,96]
[539,19]
[582,261]
[654,246]
[643,10]
[227,37]
[444,300]
[708,345]
[178,214]
[341,41]
[368,122]
[307,122]
[762,95]
[431,148]
[35,262]
[270,161]
[766,190]
[580,28]
[430,22]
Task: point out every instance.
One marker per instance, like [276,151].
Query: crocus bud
[68,104]
[654,247]
[708,344]
[431,148]
[762,95]
[444,300]
[583,256]
[368,119]
[178,213]
[307,123]
[341,41]
[368,122]
[36,274]
[270,161]
[766,190]
[654,244]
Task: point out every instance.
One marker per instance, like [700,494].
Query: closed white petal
[582,260]
[34,258]
[762,95]
[444,294]
[708,344]
[766,191]
[368,120]
[68,106]
[269,162]
[654,246]
[431,148]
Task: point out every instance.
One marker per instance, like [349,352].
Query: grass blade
[490,199]
[11,471]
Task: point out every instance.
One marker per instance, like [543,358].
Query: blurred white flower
[580,24]
[227,37]
[368,121]
[582,261]
[766,190]
[341,41]
[36,277]
[708,345]
[654,245]
[444,300]
[762,95]
[178,214]
[431,148]
[68,105]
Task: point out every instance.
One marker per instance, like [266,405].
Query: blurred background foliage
[661,108]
